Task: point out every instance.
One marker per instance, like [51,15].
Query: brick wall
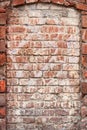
[46,65]
[43,52]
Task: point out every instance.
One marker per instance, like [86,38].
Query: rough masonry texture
[43,79]
[43,65]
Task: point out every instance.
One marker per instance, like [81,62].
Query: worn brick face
[30,108]
[2,18]
[84,88]
[2,59]
[2,100]
[84,35]
[2,10]
[2,86]
[2,46]
[2,32]
[17,2]
[2,112]
[84,20]
[43,53]
[84,48]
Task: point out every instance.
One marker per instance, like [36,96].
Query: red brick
[49,74]
[16,29]
[84,88]
[84,61]
[2,100]
[84,13]
[49,62]
[45,1]
[2,10]
[2,18]
[69,3]
[84,48]
[31,1]
[2,86]
[58,1]
[2,46]
[2,59]
[2,112]
[85,74]
[62,44]
[84,21]
[84,35]
[2,32]
[84,111]
[18,2]
[81,6]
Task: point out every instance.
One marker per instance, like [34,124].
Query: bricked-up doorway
[43,70]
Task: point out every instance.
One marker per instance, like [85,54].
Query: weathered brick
[31,1]
[2,46]
[84,74]
[84,35]
[84,100]
[2,59]
[43,53]
[29,120]
[84,20]
[3,18]
[83,1]
[84,87]
[17,29]
[2,32]
[11,82]
[45,1]
[58,1]
[49,127]
[83,111]
[2,10]
[2,86]
[84,48]
[84,60]
[73,74]
[2,124]
[81,6]
[17,2]
[2,112]
[2,72]
[84,13]
[2,100]
[83,123]
[43,66]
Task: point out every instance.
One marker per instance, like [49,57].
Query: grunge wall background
[43,59]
